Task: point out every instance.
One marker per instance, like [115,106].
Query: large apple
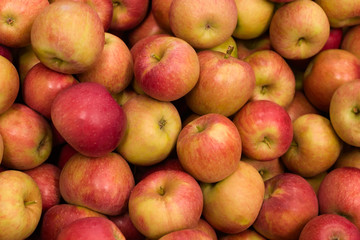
[89,118]
[275,81]
[167,68]
[351,40]
[17,20]
[225,84]
[265,128]
[299,29]
[203,23]
[20,205]
[288,197]
[299,106]
[9,84]
[27,137]
[232,205]
[209,148]
[41,85]
[102,184]
[64,28]
[315,146]
[165,201]
[114,68]
[153,125]
[344,112]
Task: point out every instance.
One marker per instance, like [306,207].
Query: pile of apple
[179,119]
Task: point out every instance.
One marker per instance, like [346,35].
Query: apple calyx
[10,21]
[229,51]
[356,110]
[264,89]
[162,123]
[161,191]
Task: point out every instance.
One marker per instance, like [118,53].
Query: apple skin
[1,148]
[114,68]
[9,84]
[21,205]
[265,128]
[335,39]
[315,146]
[348,158]
[123,222]
[222,79]
[275,81]
[153,125]
[209,148]
[91,182]
[344,111]
[156,199]
[203,27]
[288,196]
[86,38]
[167,68]
[188,234]
[299,106]
[89,118]
[329,226]
[204,226]
[337,193]
[254,17]
[66,152]
[248,234]
[299,29]
[326,72]
[91,228]
[246,47]
[351,40]
[41,85]
[47,177]
[6,52]
[27,137]
[26,59]
[160,9]
[267,169]
[224,201]
[60,215]
[18,18]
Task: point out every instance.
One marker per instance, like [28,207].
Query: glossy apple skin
[41,85]
[265,128]
[326,72]
[61,215]
[287,196]
[89,118]
[329,226]
[157,199]
[20,205]
[299,106]
[123,222]
[189,234]
[351,40]
[91,228]
[47,177]
[209,148]
[9,84]
[338,191]
[102,184]
[27,137]
[235,79]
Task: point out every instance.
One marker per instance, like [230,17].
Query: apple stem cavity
[263,89]
[229,51]
[200,128]
[300,41]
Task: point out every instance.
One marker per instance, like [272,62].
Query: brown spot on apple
[162,123]
[10,21]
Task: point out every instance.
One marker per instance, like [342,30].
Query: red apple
[123,222]
[9,84]
[351,40]
[6,52]
[299,106]
[335,39]
[204,226]
[188,234]
[66,152]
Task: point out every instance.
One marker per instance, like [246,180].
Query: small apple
[224,47]
[245,47]
[348,158]
[316,180]
[9,84]
[267,169]
[26,59]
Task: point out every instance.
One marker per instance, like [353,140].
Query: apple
[265,128]
[316,180]
[232,204]
[275,81]
[167,68]
[326,72]
[89,118]
[341,15]
[315,146]
[91,228]
[334,40]
[20,205]
[6,52]
[154,125]
[56,46]
[165,201]
[123,222]
[226,45]
[60,215]
[26,59]
[267,169]
[203,24]
[329,226]
[114,68]
[9,84]
[27,137]
[344,111]
[17,20]
[41,85]
[289,203]
[66,152]
[222,79]
[348,158]
[254,17]
[204,226]
[127,14]
[188,234]
[338,193]
[299,29]
[351,40]
[1,148]
[299,106]
[46,176]
[160,9]
[209,148]
[102,184]
[245,47]
[248,234]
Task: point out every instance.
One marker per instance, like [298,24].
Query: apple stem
[10,21]
[229,51]
[153,55]
[30,202]
[355,110]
